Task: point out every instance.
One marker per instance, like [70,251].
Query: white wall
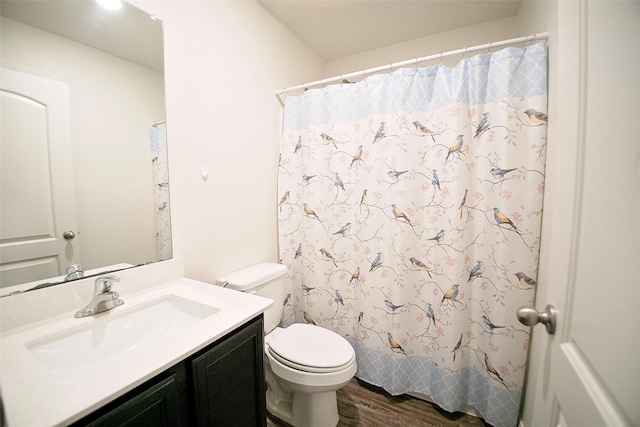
[531,18]
[110,125]
[450,40]
[223,61]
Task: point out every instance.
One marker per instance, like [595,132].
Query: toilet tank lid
[253,276]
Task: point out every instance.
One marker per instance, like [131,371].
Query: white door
[37,197]
[588,373]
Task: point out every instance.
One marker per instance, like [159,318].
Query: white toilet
[305,364]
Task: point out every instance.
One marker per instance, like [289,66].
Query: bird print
[298,145]
[394,344]
[492,370]
[162,207]
[455,147]
[536,117]
[419,265]
[344,229]
[457,348]
[326,255]
[524,279]
[498,173]
[329,140]
[451,294]
[423,130]
[154,161]
[476,271]
[309,212]
[306,289]
[360,317]
[484,124]
[284,199]
[308,318]
[391,306]
[435,180]
[380,133]
[356,156]
[463,202]
[398,214]
[394,174]
[490,326]
[377,262]
[355,276]
[287,299]
[502,219]
[338,297]
[307,178]
[163,185]
[363,199]
[298,251]
[438,237]
[430,314]
[339,182]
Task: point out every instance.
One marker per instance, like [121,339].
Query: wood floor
[361,404]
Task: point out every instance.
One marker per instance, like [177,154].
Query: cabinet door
[161,404]
[229,382]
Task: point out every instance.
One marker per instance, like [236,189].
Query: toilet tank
[265,280]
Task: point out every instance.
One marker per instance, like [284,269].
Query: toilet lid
[313,347]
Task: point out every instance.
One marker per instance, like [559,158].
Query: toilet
[305,364]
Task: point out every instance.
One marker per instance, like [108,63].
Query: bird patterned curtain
[409,219]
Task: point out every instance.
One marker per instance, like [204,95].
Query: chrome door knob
[529,316]
[68,235]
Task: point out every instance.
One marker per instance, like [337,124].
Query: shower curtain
[410,208]
[160,170]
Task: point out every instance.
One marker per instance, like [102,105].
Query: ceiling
[337,28]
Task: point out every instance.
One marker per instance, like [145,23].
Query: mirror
[112,63]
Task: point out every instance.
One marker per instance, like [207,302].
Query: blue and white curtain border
[530,57]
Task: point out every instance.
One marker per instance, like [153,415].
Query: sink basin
[115,336]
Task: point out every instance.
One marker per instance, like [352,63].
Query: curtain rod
[490,45]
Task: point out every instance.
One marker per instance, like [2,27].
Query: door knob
[68,235]
[530,316]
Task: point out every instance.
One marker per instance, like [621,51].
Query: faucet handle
[103,284]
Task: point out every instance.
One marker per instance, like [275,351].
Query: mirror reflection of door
[37,197]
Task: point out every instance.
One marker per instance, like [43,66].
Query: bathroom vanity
[223,384]
[181,352]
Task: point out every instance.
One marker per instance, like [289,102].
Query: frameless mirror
[83,145]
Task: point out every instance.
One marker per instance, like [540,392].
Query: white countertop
[32,396]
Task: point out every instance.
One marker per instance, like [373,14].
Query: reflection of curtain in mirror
[160,170]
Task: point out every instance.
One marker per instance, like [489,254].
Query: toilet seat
[310,348]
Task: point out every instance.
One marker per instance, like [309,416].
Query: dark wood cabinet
[221,385]
[229,382]
[161,401]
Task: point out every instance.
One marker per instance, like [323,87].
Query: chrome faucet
[74,272]
[104,298]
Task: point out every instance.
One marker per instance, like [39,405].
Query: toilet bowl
[310,364]
[304,364]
